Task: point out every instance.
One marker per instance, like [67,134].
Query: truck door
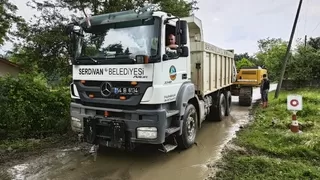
[176,66]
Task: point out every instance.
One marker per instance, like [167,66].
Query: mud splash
[34,168]
[18,171]
[228,145]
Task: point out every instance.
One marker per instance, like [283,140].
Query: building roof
[6,61]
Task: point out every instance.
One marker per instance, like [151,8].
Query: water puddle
[18,172]
[147,163]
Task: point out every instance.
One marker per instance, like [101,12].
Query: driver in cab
[172,43]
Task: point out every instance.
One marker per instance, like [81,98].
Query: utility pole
[305,41]
[288,51]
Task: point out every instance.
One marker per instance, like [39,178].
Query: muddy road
[146,163]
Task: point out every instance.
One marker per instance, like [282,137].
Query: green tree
[46,48]
[267,44]
[179,8]
[238,57]
[271,54]
[314,43]
[7,19]
[244,63]
[305,62]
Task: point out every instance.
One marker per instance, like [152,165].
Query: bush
[29,108]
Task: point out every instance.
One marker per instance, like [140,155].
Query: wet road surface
[146,163]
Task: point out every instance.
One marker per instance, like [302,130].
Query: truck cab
[129,87]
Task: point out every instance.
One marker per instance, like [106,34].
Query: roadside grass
[270,150]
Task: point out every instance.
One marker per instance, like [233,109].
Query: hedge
[29,108]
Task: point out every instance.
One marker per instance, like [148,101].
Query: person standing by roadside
[264,90]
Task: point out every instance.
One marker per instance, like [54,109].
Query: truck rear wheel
[189,128]
[245,96]
[228,102]
[220,111]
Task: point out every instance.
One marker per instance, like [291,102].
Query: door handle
[184,76]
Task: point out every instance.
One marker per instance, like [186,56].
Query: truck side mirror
[181,31]
[72,31]
[165,57]
[184,51]
[69,29]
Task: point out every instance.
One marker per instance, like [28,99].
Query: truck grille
[249,72]
[91,92]
[94,88]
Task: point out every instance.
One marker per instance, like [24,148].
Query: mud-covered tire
[187,138]
[220,109]
[245,96]
[228,97]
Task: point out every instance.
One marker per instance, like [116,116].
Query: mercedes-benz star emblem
[106,89]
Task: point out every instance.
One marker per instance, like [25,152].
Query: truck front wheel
[189,128]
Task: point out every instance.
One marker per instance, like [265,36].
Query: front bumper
[140,126]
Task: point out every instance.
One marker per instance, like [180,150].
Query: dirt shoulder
[21,149]
[17,152]
[267,149]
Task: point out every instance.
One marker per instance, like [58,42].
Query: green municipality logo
[173,73]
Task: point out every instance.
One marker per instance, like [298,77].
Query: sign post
[294,104]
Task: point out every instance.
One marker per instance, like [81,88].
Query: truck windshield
[119,42]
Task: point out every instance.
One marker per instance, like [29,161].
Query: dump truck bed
[211,66]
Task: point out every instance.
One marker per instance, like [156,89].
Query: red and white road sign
[294,102]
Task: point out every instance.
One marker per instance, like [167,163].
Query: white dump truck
[129,88]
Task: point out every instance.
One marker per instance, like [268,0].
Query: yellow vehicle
[247,78]
[250,76]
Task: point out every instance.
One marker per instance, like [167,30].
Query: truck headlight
[74,91]
[75,122]
[147,132]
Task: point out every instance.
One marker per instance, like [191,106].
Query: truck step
[172,112]
[167,148]
[172,130]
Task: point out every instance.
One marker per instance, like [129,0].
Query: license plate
[127,90]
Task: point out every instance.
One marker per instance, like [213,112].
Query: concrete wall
[6,68]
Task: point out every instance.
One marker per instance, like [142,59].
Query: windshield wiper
[86,56]
[92,59]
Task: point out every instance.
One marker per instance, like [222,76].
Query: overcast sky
[239,24]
